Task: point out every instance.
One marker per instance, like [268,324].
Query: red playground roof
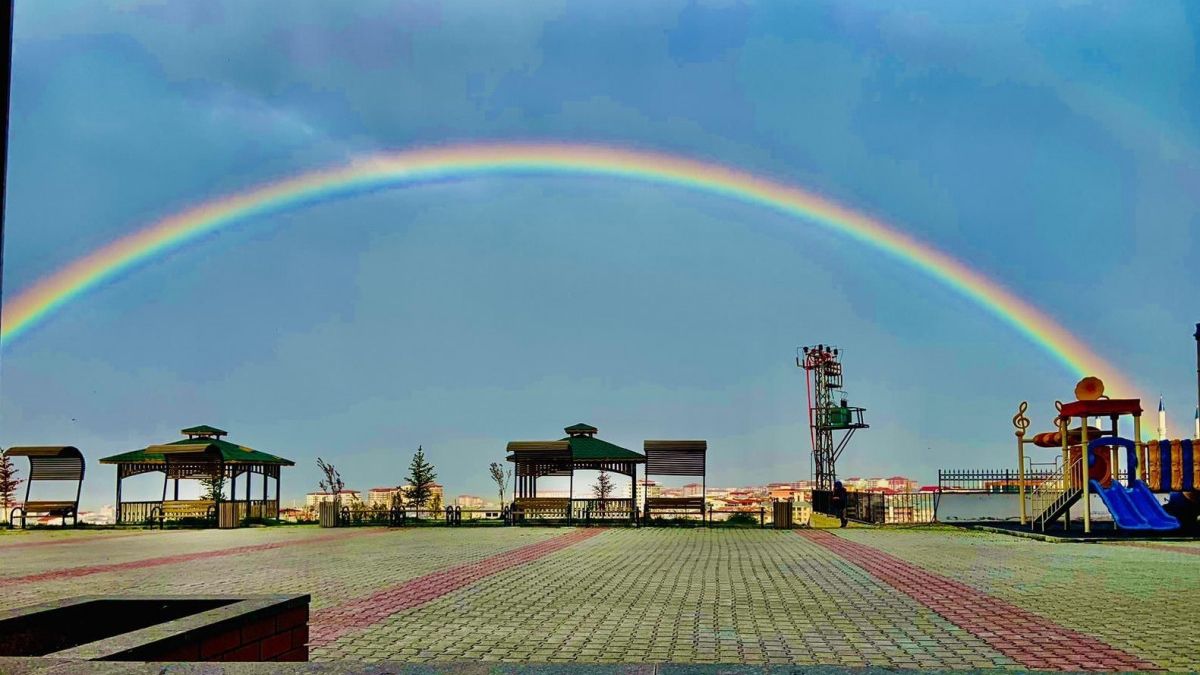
[1104,407]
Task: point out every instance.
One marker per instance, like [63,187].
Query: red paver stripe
[73,572]
[332,623]
[1032,640]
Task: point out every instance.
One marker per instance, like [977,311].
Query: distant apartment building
[649,487]
[468,502]
[381,497]
[348,497]
[693,490]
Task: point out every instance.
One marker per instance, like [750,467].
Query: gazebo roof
[581,428]
[231,453]
[592,448]
[205,430]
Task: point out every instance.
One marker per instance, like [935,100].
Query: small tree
[214,486]
[603,488]
[332,483]
[9,482]
[435,504]
[420,479]
[501,476]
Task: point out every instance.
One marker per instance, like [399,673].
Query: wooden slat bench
[190,508]
[674,505]
[543,507]
[60,509]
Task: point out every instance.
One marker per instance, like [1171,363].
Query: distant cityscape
[749,499]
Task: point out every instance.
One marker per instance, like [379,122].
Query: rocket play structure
[1127,474]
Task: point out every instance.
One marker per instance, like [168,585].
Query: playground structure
[1126,473]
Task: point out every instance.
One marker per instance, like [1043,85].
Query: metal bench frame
[50,463]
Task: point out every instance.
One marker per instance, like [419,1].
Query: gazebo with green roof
[202,455]
[579,450]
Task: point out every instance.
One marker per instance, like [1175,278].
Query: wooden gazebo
[579,450]
[204,454]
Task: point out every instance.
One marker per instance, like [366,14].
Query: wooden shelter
[579,450]
[204,454]
[50,463]
[676,458]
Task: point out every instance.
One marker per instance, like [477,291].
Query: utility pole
[828,411]
[1197,336]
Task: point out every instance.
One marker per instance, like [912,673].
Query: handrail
[1047,494]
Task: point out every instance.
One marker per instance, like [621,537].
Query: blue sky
[1052,146]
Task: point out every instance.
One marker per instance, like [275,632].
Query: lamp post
[1197,336]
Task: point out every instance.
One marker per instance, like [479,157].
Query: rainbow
[51,293]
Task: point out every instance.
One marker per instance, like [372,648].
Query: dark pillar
[176,488]
[1197,336]
[278,473]
[247,514]
[6,27]
[118,507]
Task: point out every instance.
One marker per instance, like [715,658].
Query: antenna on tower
[829,413]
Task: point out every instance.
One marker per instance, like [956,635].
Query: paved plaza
[928,598]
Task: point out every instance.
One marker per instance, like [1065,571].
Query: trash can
[328,514]
[782,514]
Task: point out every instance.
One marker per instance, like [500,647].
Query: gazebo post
[278,473]
[571,493]
[633,493]
[232,489]
[264,499]
[247,516]
[177,488]
[120,471]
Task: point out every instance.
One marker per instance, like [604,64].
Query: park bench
[675,458]
[204,509]
[50,463]
[665,505]
[45,508]
[556,508]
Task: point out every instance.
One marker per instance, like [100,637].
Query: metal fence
[881,508]
[996,480]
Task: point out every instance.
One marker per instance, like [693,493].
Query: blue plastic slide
[1150,508]
[1134,508]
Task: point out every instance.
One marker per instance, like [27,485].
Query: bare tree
[332,483]
[501,476]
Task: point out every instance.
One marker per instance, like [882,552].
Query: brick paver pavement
[1030,639]
[1136,598]
[704,596]
[354,563]
[894,598]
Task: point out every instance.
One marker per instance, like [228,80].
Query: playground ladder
[1052,497]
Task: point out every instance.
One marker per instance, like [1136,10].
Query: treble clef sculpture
[1020,421]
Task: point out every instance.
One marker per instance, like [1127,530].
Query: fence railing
[136,512]
[881,508]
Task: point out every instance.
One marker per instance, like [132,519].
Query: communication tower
[828,411]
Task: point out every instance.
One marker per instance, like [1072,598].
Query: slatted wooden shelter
[676,458]
[50,463]
[203,454]
[580,450]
